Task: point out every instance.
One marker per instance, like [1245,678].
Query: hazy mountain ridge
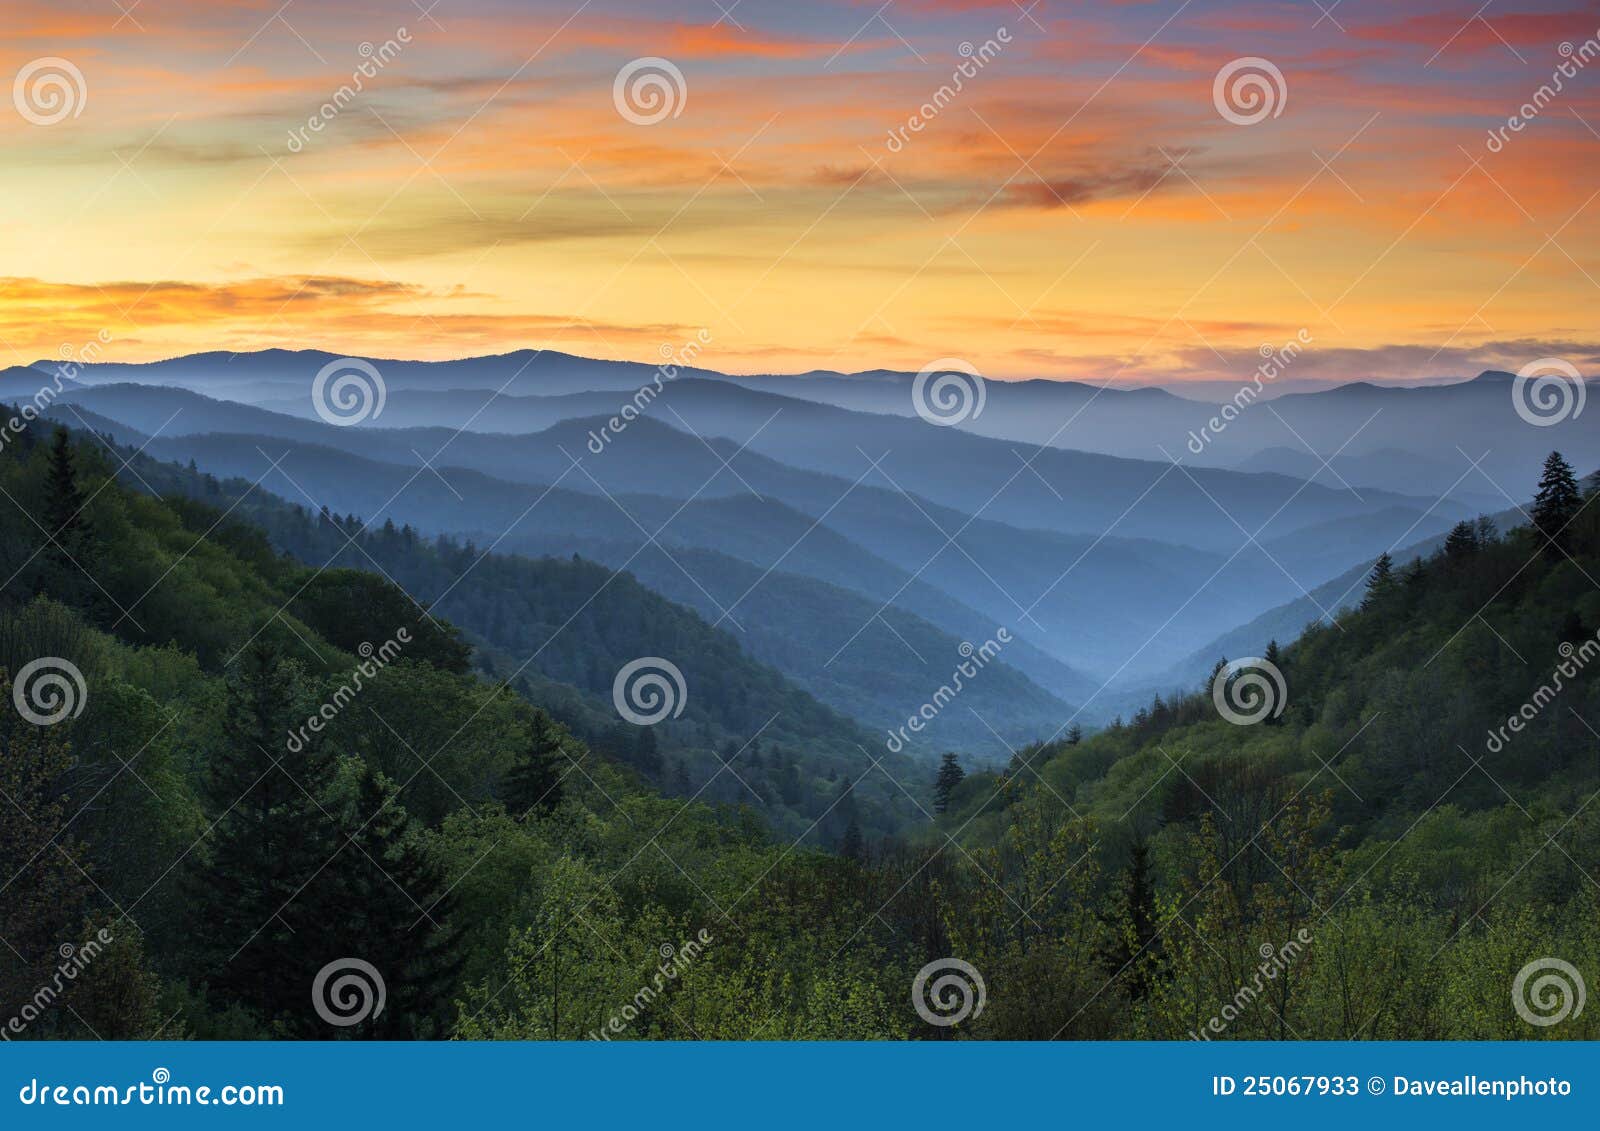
[1108,602]
[1430,419]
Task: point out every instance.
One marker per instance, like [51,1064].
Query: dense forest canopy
[270,751]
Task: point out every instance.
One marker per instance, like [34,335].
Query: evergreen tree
[790,787]
[1273,656]
[70,544]
[1074,735]
[1133,952]
[44,900]
[854,845]
[1461,542]
[1380,582]
[950,775]
[64,502]
[647,753]
[1556,504]
[393,908]
[260,943]
[534,782]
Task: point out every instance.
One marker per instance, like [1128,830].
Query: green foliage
[345,606]
[1556,504]
[950,776]
[45,887]
[248,796]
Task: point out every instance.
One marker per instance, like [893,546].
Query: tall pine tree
[534,782]
[46,898]
[69,549]
[854,845]
[392,907]
[1462,541]
[950,775]
[259,941]
[1133,951]
[1380,582]
[1556,505]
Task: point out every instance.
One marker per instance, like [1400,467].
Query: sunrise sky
[1080,209]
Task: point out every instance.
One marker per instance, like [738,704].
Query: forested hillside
[565,628]
[1418,794]
[1375,824]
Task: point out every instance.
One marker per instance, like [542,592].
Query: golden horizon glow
[1079,209]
